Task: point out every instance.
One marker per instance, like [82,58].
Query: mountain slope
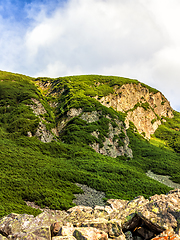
[52,131]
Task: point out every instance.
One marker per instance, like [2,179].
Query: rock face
[157,218]
[143,108]
[42,133]
[110,147]
[115,144]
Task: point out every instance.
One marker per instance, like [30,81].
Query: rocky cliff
[155,218]
[144,108]
[115,142]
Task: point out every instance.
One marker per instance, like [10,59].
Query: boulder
[112,227]
[66,231]
[55,227]
[63,238]
[156,218]
[89,233]
[168,234]
[2,237]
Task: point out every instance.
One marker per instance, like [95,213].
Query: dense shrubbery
[16,94]
[46,172]
[170,132]
[77,91]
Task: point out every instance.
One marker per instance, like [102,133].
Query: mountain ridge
[81,140]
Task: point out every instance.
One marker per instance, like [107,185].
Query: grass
[46,173]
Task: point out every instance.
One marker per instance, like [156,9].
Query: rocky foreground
[156,218]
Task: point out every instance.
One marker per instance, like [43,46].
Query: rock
[178,228]
[48,218]
[63,238]
[42,133]
[128,235]
[91,116]
[90,197]
[142,119]
[18,225]
[120,237]
[140,226]
[111,147]
[2,237]
[126,97]
[89,233]
[80,208]
[14,223]
[79,214]
[55,227]
[66,231]
[41,233]
[163,179]
[116,203]
[37,107]
[167,235]
[73,112]
[112,227]
[138,219]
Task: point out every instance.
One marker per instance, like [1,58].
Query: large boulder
[156,218]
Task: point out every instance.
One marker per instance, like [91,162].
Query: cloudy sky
[138,39]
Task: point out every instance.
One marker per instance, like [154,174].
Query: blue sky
[17,10]
[139,39]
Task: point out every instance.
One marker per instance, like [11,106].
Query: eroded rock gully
[110,147]
[156,218]
[42,132]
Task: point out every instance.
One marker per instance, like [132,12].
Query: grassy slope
[45,172]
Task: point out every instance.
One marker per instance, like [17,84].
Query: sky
[138,39]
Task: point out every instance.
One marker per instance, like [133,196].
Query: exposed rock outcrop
[111,147]
[144,108]
[156,218]
[115,144]
[42,132]
[73,112]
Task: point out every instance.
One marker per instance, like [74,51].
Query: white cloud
[96,34]
[132,38]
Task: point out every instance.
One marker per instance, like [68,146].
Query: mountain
[101,131]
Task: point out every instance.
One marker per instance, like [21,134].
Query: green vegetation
[78,91]
[170,132]
[46,173]
[154,120]
[154,155]
[144,105]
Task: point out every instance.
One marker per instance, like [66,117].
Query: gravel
[90,197]
[163,179]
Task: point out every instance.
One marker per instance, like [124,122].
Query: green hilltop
[46,172]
